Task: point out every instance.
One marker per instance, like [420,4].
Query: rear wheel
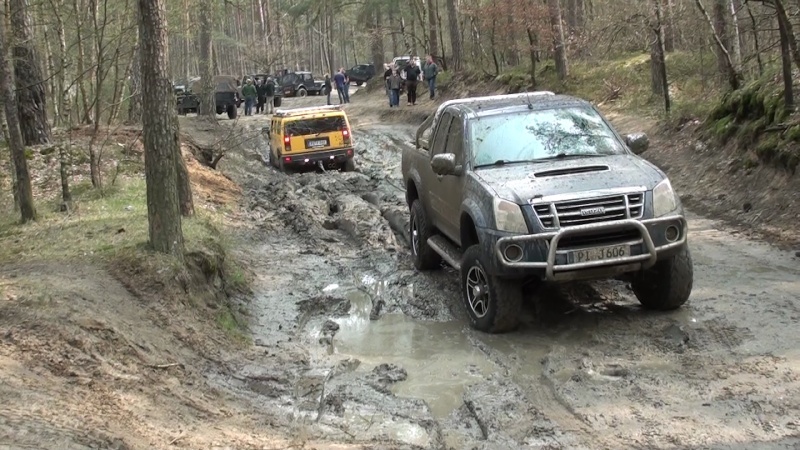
[420,230]
[359,83]
[667,285]
[493,304]
[277,101]
[349,165]
[232,112]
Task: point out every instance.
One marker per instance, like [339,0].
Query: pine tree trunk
[559,49]
[21,175]
[455,35]
[207,107]
[160,129]
[32,105]
[433,42]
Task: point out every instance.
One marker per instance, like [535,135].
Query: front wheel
[493,304]
[420,230]
[302,93]
[667,285]
[359,83]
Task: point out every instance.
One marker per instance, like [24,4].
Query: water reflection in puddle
[437,356]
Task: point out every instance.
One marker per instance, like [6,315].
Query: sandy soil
[352,348]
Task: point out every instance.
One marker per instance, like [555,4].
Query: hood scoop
[568,171]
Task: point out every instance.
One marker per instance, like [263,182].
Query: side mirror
[445,164]
[637,142]
[423,144]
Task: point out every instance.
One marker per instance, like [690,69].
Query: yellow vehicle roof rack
[305,110]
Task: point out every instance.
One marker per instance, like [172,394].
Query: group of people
[342,83]
[261,94]
[408,78]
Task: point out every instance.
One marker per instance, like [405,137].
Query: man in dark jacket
[262,97]
[412,77]
[269,95]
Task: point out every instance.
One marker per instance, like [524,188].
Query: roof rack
[294,111]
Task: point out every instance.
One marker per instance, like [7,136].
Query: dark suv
[361,73]
[524,188]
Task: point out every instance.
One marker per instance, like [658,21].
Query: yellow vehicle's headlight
[665,200]
[508,217]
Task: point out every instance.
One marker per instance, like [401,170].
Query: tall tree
[559,47]
[207,107]
[455,35]
[24,191]
[433,42]
[32,106]
[160,132]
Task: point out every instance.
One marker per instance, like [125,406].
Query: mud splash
[438,358]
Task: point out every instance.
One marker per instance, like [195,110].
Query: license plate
[599,253]
[317,143]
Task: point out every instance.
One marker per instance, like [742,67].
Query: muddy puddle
[437,357]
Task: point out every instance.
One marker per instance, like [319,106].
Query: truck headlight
[664,199]
[508,217]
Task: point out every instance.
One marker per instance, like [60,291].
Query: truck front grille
[583,211]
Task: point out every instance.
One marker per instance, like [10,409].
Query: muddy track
[354,345]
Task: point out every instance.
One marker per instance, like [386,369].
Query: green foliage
[757,112]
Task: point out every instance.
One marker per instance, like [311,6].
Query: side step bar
[449,252]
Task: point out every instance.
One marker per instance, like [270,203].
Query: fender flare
[479,218]
[414,177]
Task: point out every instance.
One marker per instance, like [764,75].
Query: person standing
[338,79]
[412,77]
[346,86]
[393,82]
[269,93]
[327,86]
[386,74]
[430,72]
[261,91]
[249,93]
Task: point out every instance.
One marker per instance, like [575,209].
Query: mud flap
[321,166]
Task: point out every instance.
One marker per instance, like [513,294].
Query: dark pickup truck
[515,190]
[301,84]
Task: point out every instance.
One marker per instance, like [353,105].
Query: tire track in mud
[588,368]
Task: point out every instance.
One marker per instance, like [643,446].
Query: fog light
[672,233]
[513,253]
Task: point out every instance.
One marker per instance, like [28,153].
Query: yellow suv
[318,135]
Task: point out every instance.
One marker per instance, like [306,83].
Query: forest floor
[316,331]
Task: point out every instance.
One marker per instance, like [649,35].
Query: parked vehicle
[226,96]
[519,189]
[317,135]
[301,84]
[361,73]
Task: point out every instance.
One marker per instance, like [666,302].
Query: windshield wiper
[563,155]
[500,162]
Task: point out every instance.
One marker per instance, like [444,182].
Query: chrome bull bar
[646,260]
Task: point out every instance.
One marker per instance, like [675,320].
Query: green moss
[768,148]
[792,133]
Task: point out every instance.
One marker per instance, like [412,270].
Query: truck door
[450,188]
[437,141]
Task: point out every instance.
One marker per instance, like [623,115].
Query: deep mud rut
[352,345]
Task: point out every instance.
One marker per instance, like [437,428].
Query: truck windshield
[315,126]
[538,135]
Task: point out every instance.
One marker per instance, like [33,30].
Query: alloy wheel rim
[477,289]
[414,235]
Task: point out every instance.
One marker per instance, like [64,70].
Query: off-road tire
[220,110]
[667,285]
[276,102]
[502,298]
[232,112]
[359,83]
[302,93]
[425,258]
[349,165]
[270,157]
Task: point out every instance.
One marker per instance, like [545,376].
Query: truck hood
[521,182]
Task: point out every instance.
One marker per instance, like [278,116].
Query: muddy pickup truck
[516,190]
